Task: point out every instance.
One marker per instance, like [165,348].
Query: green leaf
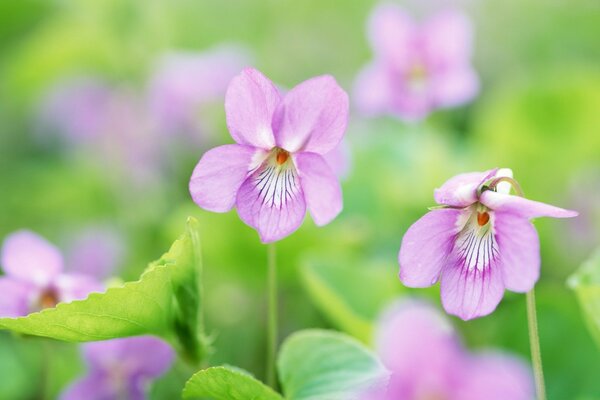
[586,283]
[327,365]
[227,383]
[165,302]
[338,290]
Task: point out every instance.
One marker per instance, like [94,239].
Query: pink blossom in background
[276,169]
[417,67]
[480,242]
[34,277]
[121,368]
[185,82]
[428,361]
[95,251]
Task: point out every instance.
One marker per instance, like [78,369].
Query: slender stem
[534,343]
[272,315]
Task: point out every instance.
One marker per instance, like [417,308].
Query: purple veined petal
[271,201]
[496,376]
[519,248]
[219,174]
[447,40]
[138,357]
[250,102]
[461,190]
[94,386]
[15,297]
[454,86]
[95,252]
[72,287]
[322,190]
[312,116]
[420,348]
[392,34]
[372,90]
[340,160]
[31,258]
[426,246]
[523,207]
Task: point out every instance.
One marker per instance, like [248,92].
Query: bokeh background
[538,112]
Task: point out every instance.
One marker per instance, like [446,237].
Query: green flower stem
[272,315]
[534,343]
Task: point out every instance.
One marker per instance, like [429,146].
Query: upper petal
[218,176]
[15,298]
[76,286]
[519,248]
[372,90]
[447,39]
[250,102]
[461,190]
[31,258]
[272,202]
[322,191]
[426,246]
[454,87]
[521,206]
[312,116]
[496,376]
[392,33]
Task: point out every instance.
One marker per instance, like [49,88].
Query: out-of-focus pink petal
[523,207]
[392,34]
[76,286]
[15,297]
[470,291]
[372,90]
[95,252]
[271,201]
[94,386]
[454,87]
[339,160]
[322,191]
[250,102]
[447,39]
[519,248]
[145,356]
[426,246]
[312,116]
[218,176]
[494,376]
[31,258]
[461,190]
[421,350]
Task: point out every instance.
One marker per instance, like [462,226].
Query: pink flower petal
[468,291]
[519,248]
[31,258]
[272,202]
[447,39]
[426,246]
[321,187]
[312,116]
[339,160]
[392,34]
[76,287]
[250,102]
[522,206]
[461,190]
[14,298]
[454,87]
[218,176]
[495,376]
[94,386]
[372,90]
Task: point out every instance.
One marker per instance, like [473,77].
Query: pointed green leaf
[586,283]
[164,302]
[227,383]
[327,365]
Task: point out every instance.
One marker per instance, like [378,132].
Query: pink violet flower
[34,277]
[417,67]
[121,368]
[478,243]
[95,251]
[277,169]
[427,360]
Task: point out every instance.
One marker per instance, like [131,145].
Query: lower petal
[426,246]
[272,202]
[218,176]
[522,206]
[95,386]
[14,299]
[519,248]
[455,87]
[322,191]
